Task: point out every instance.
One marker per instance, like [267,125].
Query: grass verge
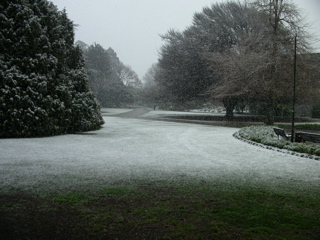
[162,211]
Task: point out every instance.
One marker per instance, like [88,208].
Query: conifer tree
[43,84]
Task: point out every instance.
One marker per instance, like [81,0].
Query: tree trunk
[269,115]
[229,103]
[270,108]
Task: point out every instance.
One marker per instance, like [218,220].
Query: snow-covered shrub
[43,86]
[257,133]
[265,135]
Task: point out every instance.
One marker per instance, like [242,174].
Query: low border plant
[265,135]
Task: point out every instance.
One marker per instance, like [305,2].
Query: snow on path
[126,149]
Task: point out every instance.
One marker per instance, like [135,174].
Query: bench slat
[310,137]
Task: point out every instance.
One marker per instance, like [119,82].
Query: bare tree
[260,66]
[228,26]
[128,76]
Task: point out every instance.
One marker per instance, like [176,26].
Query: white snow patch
[128,149]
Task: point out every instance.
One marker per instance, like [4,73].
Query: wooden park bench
[281,133]
[307,137]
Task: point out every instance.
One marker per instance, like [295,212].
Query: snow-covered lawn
[125,150]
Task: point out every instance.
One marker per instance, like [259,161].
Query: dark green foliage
[105,76]
[116,94]
[44,87]
[188,70]
[316,110]
[186,73]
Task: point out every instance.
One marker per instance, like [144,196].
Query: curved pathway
[136,112]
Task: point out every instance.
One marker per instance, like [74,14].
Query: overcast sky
[132,27]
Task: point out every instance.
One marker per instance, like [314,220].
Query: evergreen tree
[44,88]
[105,73]
[186,73]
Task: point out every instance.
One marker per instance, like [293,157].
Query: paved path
[135,113]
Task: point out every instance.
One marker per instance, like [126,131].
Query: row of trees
[113,83]
[236,53]
[44,87]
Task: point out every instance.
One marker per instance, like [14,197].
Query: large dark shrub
[43,85]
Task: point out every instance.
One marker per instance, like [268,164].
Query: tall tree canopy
[114,83]
[238,52]
[153,92]
[44,86]
[224,26]
[259,67]
[186,73]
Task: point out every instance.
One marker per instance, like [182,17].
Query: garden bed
[265,135]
